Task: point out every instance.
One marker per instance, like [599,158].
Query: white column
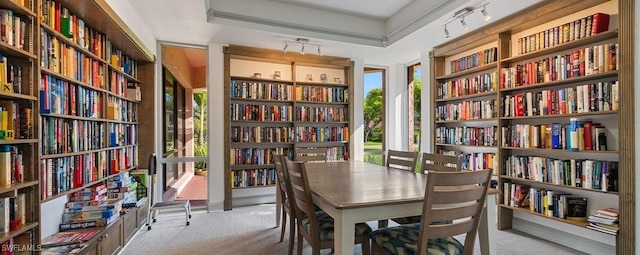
[426,112]
[397,109]
[357,137]
[215,165]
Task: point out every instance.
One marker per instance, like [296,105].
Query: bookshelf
[538,96]
[305,105]
[89,70]
[19,181]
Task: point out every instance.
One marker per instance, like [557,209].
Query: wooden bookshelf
[525,210]
[473,70]
[585,78]
[293,91]
[529,181]
[557,150]
[476,95]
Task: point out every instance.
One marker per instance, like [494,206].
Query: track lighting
[446,32]
[485,13]
[302,49]
[303,42]
[319,53]
[464,12]
[464,24]
[285,47]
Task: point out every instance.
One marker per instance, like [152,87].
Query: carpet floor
[251,230]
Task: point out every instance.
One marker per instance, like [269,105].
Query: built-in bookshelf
[89,71]
[546,114]
[19,144]
[280,102]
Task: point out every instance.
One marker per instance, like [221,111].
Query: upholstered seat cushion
[325,224]
[403,240]
[408,220]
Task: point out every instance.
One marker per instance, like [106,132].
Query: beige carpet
[251,230]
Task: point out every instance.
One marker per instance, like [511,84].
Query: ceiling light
[485,14]
[319,52]
[303,42]
[464,24]
[302,49]
[285,47]
[446,32]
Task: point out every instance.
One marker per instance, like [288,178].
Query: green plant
[200,150]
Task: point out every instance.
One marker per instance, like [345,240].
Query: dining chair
[455,200]
[440,162]
[317,227]
[284,190]
[311,154]
[402,160]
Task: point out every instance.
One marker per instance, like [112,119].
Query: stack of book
[123,187]
[605,221]
[90,207]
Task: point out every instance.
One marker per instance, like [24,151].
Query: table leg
[344,234]
[487,228]
[278,206]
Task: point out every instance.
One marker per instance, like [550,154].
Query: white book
[579,96]
[614,96]
[4,214]
[586,97]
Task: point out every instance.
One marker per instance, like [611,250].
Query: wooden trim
[227,129]
[626,238]
[238,51]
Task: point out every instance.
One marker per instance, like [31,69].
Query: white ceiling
[185,22]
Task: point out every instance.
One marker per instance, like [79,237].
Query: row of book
[481,83]
[13,214]
[479,136]
[260,134]
[74,28]
[253,178]
[13,29]
[64,59]
[575,136]
[584,173]
[550,203]
[477,59]
[121,61]
[321,114]
[261,90]
[253,156]
[261,112]
[10,76]
[11,165]
[567,32]
[474,161]
[596,97]
[322,94]
[122,134]
[69,135]
[604,220]
[62,97]
[467,110]
[119,84]
[576,63]
[16,121]
[121,110]
[322,134]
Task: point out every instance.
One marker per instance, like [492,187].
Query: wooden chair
[402,160]
[456,198]
[287,203]
[316,226]
[440,162]
[311,154]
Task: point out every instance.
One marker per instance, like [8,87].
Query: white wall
[215,78]
[137,25]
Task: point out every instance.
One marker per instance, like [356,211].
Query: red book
[587,135]
[519,100]
[600,23]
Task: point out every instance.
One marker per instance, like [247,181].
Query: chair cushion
[325,225]
[403,240]
[408,220]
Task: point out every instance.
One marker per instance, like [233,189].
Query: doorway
[183,97]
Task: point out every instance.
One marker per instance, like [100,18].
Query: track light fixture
[303,42]
[464,12]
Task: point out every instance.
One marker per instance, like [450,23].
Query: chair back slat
[455,200]
[310,154]
[283,181]
[301,193]
[439,162]
[403,160]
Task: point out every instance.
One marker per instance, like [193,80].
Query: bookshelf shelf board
[12,51]
[123,146]
[485,67]
[562,82]
[26,227]
[60,155]
[321,144]
[559,150]
[19,141]
[240,78]
[243,144]
[67,192]
[457,121]
[463,145]
[68,42]
[261,122]
[237,99]
[561,115]
[122,122]
[126,75]
[122,97]
[17,8]
[65,116]
[10,95]
[526,210]
[74,81]
[482,94]
[255,187]
[320,84]
[566,46]
[17,186]
[315,123]
[518,179]
[324,103]
[250,167]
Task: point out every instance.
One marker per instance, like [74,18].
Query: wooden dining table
[353,191]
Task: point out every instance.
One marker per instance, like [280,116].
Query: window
[374,112]
[414,90]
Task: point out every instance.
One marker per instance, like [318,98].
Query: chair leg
[383,223]
[284,225]
[366,249]
[292,232]
[299,248]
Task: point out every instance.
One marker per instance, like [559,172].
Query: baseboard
[574,237]
[253,200]
[216,206]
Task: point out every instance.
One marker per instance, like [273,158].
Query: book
[576,208]
[600,23]
[69,237]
